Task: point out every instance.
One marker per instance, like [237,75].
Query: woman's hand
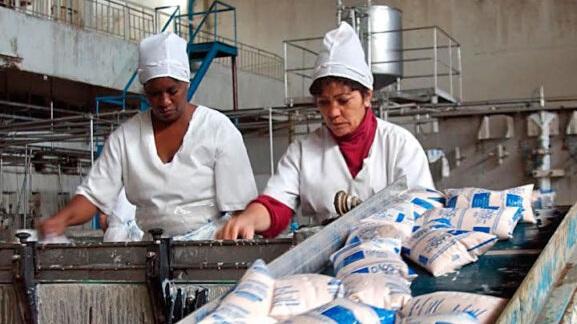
[79,210]
[255,218]
[103,221]
[239,226]
[53,226]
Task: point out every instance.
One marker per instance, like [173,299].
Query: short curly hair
[316,88]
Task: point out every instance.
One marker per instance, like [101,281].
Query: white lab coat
[208,175]
[122,223]
[313,170]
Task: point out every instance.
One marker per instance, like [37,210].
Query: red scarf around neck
[355,146]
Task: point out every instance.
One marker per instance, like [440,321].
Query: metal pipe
[450,69]
[91,140]
[369,36]
[29,191]
[1,183]
[303,39]
[308,50]
[234,84]
[460,74]
[285,71]
[339,11]
[435,59]
[37,107]
[270,138]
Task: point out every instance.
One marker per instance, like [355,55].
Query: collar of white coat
[343,56]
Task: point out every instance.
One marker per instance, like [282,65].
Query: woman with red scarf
[354,151]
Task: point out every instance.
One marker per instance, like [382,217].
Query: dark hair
[319,84]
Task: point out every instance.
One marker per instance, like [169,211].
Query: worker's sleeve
[104,181]
[284,185]
[234,180]
[280,215]
[412,162]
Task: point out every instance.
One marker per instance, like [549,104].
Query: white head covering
[343,56]
[163,55]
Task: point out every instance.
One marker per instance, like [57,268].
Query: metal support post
[95,223]
[339,11]
[435,58]
[451,67]
[284,43]
[158,275]
[234,84]
[369,37]
[24,281]
[460,74]
[270,138]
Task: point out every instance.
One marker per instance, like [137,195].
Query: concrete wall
[44,47]
[54,49]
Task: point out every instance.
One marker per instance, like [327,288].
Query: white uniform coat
[209,174]
[313,170]
[122,223]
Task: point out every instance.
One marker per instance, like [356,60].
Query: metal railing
[133,22]
[430,58]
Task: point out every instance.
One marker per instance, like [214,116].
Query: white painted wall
[63,51]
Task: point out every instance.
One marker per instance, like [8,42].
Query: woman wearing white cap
[353,151]
[182,165]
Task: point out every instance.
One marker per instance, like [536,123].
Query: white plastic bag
[441,249]
[205,232]
[425,199]
[485,308]
[345,311]
[251,298]
[359,251]
[491,199]
[400,213]
[298,294]
[378,290]
[391,264]
[385,232]
[408,207]
[501,221]
[123,232]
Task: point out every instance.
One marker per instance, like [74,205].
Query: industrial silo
[379,28]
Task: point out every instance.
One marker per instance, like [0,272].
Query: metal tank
[386,44]
[379,29]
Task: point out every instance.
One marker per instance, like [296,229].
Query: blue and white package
[300,293]
[491,199]
[385,232]
[485,308]
[449,318]
[378,290]
[391,264]
[355,252]
[425,199]
[441,249]
[408,207]
[501,221]
[251,298]
[400,213]
[343,311]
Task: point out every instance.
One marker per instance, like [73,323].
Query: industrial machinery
[158,281]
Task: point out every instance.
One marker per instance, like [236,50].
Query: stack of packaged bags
[440,232]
